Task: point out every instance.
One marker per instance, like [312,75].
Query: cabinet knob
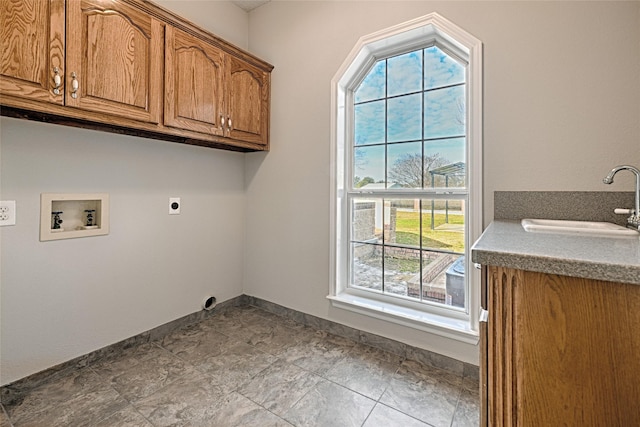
[57,80]
[75,85]
[230,125]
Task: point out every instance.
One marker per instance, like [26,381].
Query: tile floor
[248,367]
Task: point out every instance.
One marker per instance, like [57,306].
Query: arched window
[406,190]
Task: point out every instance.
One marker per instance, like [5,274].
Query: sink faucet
[634,220]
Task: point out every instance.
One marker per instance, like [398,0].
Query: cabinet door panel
[116,53]
[32,33]
[194,96]
[577,351]
[562,350]
[248,102]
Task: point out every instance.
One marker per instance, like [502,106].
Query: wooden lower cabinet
[559,350]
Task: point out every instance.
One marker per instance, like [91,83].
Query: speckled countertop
[505,243]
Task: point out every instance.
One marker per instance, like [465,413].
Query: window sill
[456,329]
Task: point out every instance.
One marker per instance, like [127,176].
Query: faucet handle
[622,211]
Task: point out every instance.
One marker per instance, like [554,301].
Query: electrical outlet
[7,212]
[174,205]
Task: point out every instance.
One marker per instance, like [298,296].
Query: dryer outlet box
[174,205]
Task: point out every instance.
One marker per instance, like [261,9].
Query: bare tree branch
[411,169]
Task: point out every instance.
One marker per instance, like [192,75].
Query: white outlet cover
[7,212]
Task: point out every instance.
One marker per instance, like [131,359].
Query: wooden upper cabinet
[248,106]
[129,66]
[114,58]
[210,91]
[32,49]
[194,94]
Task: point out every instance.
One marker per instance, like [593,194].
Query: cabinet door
[562,350]
[32,49]
[114,58]
[194,96]
[248,107]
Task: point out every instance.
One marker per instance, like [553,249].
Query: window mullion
[422,153]
[386,169]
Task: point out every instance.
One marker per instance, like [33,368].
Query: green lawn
[403,265]
[408,231]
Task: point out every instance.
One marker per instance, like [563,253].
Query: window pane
[446,163]
[404,165]
[373,85]
[402,222]
[401,271]
[366,220]
[432,162]
[366,271]
[405,73]
[369,123]
[440,69]
[443,225]
[369,164]
[455,282]
[450,150]
[444,112]
[409,133]
[397,249]
[404,119]
[442,282]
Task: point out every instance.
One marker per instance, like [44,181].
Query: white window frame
[413,35]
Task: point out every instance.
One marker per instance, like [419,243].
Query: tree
[358,183]
[409,170]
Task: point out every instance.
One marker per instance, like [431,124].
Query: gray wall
[562,107]
[63,299]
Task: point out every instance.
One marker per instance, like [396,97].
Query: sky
[437,110]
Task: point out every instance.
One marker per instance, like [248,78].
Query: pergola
[451,170]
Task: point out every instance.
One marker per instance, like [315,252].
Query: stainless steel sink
[590,228]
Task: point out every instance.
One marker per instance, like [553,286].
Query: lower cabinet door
[562,350]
